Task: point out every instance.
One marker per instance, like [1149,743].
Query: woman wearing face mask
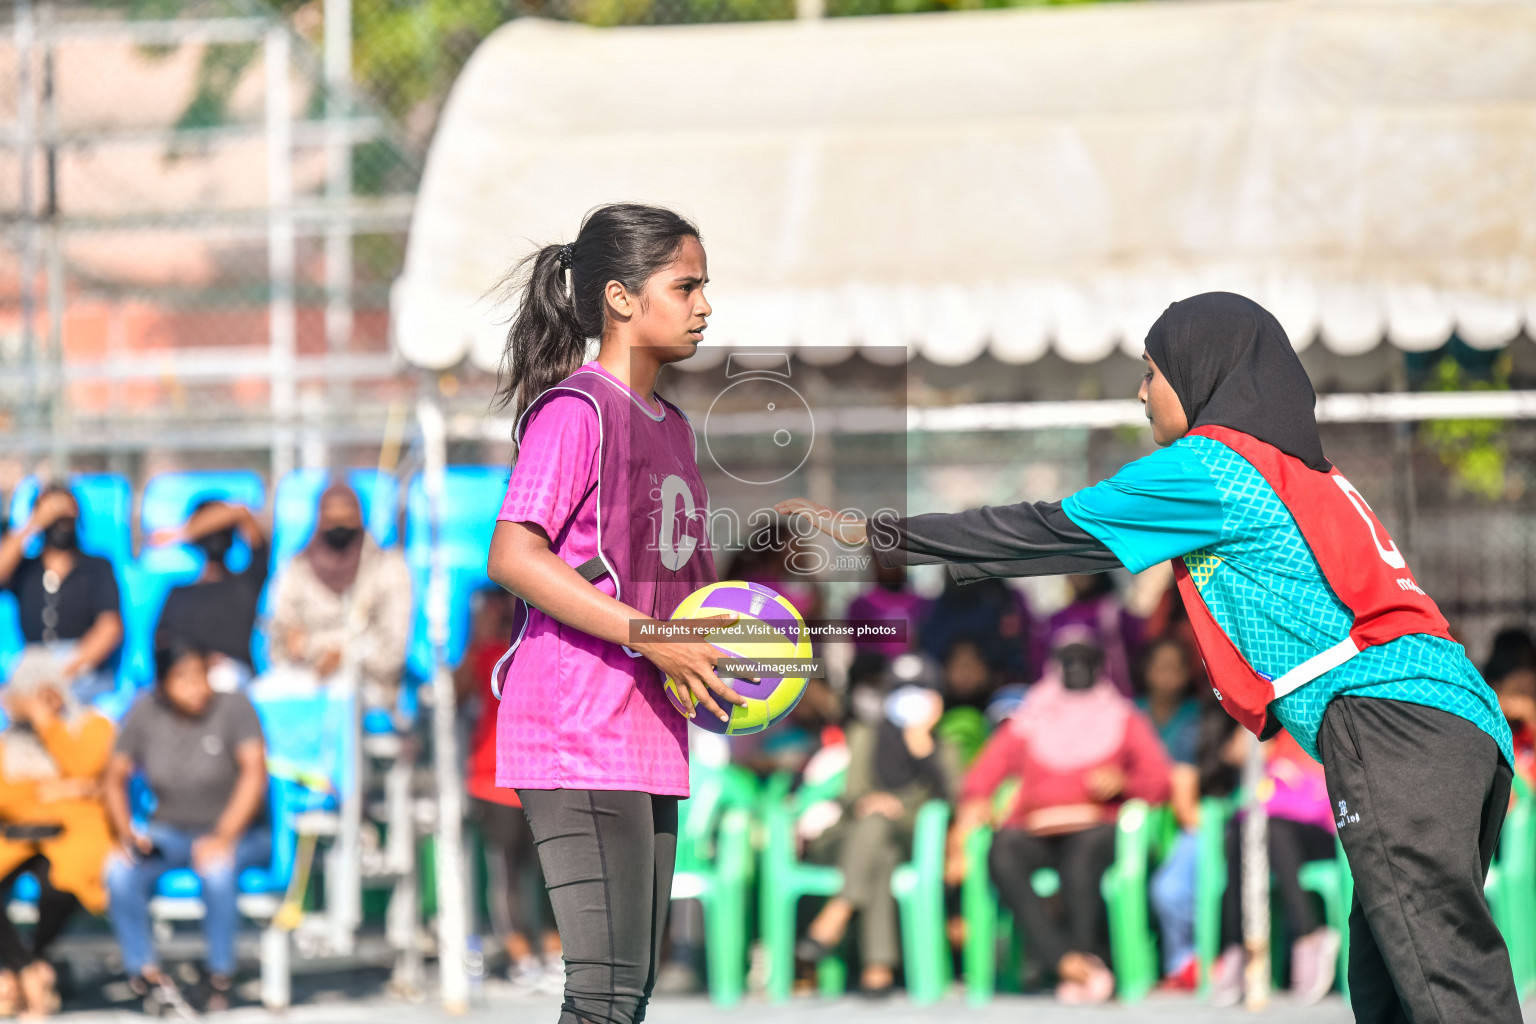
[68,599]
[218,611]
[1079,750]
[343,589]
[1308,618]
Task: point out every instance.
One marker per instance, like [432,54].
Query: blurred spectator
[970,681]
[51,758]
[1169,618]
[1168,698]
[218,612]
[1219,746]
[68,600]
[515,893]
[344,592]
[1079,750]
[893,600]
[789,744]
[894,767]
[988,611]
[1301,829]
[1514,650]
[770,558]
[1511,671]
[1097,606]
[204,758]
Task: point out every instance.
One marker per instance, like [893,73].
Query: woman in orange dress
[54,824]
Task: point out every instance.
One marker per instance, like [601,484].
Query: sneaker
[1184,978]
[214,992]
[161,998]
[526,974]
[1314,962]
[678,979]
[552,979]
[1227,977]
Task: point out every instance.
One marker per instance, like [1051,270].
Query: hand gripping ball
[768,627]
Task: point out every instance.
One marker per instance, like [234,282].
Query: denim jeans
[1173,896]
[131,885]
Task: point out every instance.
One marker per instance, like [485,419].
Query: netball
[769,628]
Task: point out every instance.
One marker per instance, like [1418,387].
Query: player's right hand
[692,663]
[843,527]
[49,508]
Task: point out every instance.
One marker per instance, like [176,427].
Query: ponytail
[560,303]
[545,343]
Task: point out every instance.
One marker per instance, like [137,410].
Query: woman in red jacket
[1079,750]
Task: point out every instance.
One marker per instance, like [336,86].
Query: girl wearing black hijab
[1308,618]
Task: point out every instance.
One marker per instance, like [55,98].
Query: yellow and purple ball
[768,628]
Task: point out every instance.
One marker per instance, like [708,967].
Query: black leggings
[1080,858]
[54,909]
[1291,844]
[516,908]
[608,859]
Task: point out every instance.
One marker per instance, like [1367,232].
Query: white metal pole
[452,923]
[1255,891]
[338,184]
[281,328]
[26,139]
[54,249]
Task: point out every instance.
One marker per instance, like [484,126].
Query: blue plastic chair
[11,640]
[106,513]
[471,500]
[311,740]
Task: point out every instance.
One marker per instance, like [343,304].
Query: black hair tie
[566,255]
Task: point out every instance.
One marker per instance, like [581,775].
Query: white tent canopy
[1012,180]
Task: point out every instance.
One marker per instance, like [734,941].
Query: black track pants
[607,859]
[1420,795]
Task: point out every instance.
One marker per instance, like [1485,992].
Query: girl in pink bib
[604,526]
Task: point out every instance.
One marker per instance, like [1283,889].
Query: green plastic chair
[1332,881]
[714,866]
[1211,882]
[1133,948]
[1511,888]
[1327,878]
[918,886]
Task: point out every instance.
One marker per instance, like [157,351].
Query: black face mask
[339,538]
[62,535]
[217,544]
[1079,666]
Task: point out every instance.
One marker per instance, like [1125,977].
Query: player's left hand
[692,662]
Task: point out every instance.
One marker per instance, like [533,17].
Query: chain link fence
[209,223]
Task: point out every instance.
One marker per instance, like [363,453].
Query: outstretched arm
[1157,507]
[1027,539]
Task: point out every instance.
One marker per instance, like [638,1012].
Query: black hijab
[1231,365]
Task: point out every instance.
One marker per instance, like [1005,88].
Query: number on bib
[1387,551]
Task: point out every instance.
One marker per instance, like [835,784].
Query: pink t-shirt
[572,714]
